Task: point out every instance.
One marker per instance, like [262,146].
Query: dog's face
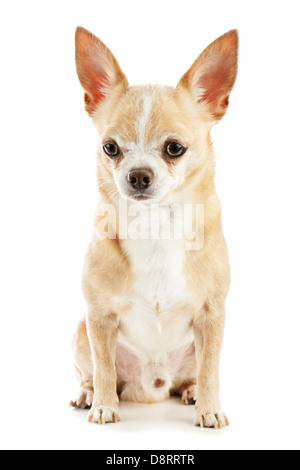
[149,143]
[154,140]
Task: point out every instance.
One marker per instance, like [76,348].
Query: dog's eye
[175,150]
[111,149]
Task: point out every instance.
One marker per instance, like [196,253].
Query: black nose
[141,179]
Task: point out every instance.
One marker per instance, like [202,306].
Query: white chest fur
[159,289]
[158,269]
[157,260]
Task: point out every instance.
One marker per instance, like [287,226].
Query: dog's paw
[189,396]
[211,419]
[84,400]
[103,415]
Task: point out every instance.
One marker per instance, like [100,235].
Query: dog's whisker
[104,184]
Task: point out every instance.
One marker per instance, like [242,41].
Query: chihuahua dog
[156,310]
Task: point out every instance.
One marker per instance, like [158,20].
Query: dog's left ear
[212,77]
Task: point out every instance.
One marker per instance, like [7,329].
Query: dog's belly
[156,332]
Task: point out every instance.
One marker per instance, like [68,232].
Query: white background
[48,196]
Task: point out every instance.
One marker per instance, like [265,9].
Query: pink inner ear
[97,86]
[214,83]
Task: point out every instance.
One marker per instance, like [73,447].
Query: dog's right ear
[97,69]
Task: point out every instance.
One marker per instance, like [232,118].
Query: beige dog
[156,314]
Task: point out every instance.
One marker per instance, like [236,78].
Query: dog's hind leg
[83,367]
[188,393]
[183,365]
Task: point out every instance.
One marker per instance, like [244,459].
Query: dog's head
[154,140]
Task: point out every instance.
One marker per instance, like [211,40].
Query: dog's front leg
[209,331]
[103,333]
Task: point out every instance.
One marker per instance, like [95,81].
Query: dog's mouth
[140,197]
[144,196]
